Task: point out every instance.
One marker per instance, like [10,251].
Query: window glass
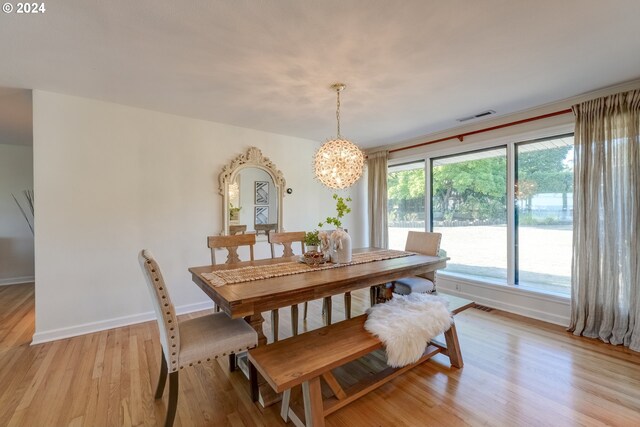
[544,207]
[469,208]
[405,205]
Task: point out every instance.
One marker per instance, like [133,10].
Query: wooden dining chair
[190,342]
[423,243]
[231,244]
[286,240]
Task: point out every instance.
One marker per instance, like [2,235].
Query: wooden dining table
[250,299]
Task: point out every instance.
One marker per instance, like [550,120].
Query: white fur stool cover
[405,325]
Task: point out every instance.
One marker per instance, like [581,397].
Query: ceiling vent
[477,116]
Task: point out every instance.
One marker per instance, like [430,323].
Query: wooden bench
[304,359]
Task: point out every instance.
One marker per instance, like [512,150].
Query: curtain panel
[605,301]
[377,200]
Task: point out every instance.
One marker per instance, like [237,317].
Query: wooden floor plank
[517,371]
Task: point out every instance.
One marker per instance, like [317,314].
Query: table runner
[251,273]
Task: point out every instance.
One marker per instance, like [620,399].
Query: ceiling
[411,67]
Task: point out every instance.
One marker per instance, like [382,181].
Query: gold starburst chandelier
[339,162]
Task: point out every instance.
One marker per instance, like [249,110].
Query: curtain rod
[462,135]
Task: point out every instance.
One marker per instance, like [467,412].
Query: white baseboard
[545,307]
[17,280]
[88,328]
[549,308]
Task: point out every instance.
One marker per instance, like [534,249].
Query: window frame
[482,142]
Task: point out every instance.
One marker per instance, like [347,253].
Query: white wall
[112,179]
[16,240]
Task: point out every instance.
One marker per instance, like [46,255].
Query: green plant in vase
[342,208]
[340,241]
[311,238]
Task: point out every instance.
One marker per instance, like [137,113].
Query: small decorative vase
[312,248]
[341,247]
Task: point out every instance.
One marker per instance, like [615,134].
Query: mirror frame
[253,158]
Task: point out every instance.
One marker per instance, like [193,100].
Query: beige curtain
[377,172]
[605,301]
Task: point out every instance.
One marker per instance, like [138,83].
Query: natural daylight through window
[529,246]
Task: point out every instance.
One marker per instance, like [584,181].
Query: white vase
[340,247]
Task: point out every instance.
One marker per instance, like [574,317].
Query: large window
[544,207]
[469,208]
[405,206]
[505,212]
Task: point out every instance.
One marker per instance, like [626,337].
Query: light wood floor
[518,372]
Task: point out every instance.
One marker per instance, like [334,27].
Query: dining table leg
[255,321]
[266,395]
[347,305]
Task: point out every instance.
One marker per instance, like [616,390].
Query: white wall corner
[117,322]
[549,308]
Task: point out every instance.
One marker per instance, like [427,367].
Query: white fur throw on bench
[405,325]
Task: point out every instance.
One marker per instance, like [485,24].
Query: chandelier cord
[338,113]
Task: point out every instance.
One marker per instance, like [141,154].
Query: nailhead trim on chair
[215,357]
[169,319]
[168,315]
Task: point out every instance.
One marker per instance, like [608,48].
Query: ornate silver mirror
[252,189]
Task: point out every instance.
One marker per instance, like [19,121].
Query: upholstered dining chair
[286,240]
[189,342]
[427,244]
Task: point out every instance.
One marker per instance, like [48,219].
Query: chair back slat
[231,244]
[286,239]
[165,311]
